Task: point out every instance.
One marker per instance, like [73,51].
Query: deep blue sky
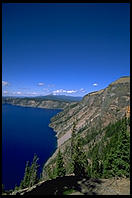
[67,48]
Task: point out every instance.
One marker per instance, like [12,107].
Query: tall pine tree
[34,171]
[95,166]
[117,160]
[79,159]
[25,182]
[31,173]
[73,138]
[60,170]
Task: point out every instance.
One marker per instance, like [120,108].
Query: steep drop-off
[95,111]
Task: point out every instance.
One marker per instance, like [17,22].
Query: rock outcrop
[96,109]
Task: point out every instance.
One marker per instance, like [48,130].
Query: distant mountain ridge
[49,101]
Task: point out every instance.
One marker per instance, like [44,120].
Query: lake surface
[25,131]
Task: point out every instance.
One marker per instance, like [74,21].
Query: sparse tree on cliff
[95,166]
[73,138]
[25,182]
[34,171]
[79,159]
[60,170]
[31,173]
[117,160]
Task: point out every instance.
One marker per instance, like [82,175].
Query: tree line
[109,157]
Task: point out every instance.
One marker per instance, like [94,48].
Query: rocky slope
[96,110]
[36,102]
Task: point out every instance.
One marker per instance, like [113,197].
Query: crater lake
[25,131]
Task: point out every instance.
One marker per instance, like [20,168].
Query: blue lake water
[25,131]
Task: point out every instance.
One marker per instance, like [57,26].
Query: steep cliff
[96,109]
[92,114]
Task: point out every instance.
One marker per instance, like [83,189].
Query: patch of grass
[69,191]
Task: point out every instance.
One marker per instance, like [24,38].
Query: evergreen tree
[108,169]
[60,170]
[95,166]
[54,174]
[121,163]
[25,182]
[89,171]
[117,160]
[16,188]
[79,159]
[34,171]
[51,171]
[31,174]
[73,137]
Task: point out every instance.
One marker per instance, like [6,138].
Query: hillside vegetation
[93,143]
[108,157]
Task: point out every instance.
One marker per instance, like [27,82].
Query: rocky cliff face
[91,115]
[96,109]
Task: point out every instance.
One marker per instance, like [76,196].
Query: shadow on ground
[59,185]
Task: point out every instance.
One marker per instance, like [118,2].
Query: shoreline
[55,135]
[32,106]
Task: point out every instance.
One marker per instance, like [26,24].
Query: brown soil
[105,187]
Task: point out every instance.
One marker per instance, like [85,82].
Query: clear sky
[68,49]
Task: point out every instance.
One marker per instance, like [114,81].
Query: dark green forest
[106,158]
